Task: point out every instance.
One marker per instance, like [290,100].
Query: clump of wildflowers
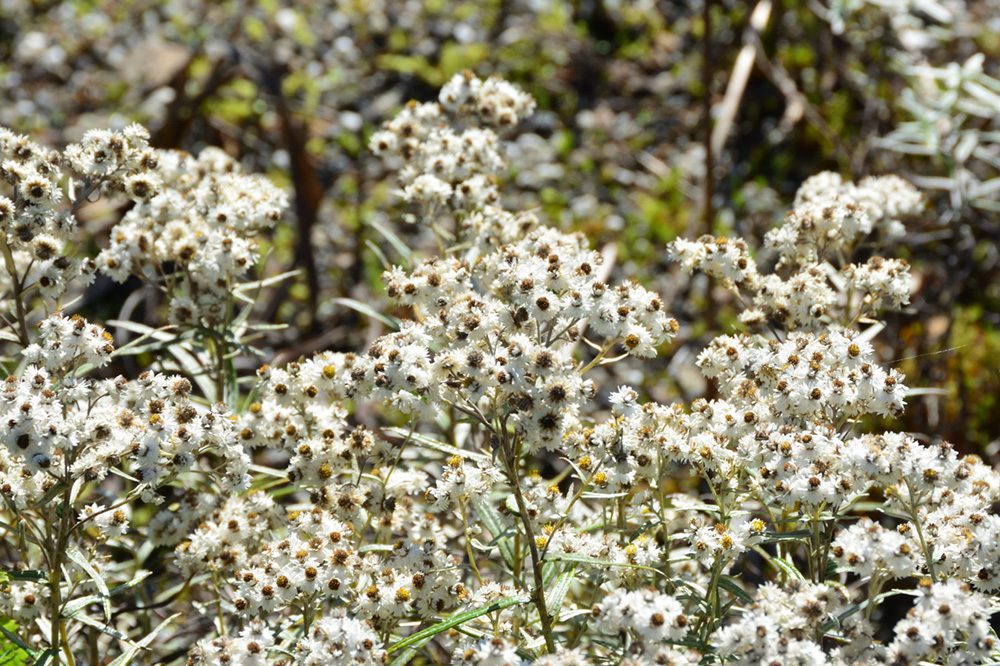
[195,239]
[467,470]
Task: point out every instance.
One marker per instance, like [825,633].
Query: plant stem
[538,593]
[22,316]
[219,346]
[58,637]
[924,548]
[468,543]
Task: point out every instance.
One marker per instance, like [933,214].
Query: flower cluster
[783,624]
[497,336]
[116,162]
[195,239]
[35,225]
[807,290]
[59,426]
[316,557]
[463,486]
[446,168]
[300,410]
[650,617]
[948,622]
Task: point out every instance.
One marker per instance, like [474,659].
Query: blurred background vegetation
[630,94]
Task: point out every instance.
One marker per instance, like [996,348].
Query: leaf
[102,587]
[780,564]
[437,445]
[74,606]
[102,627]
[728,583]
[30,575]
[593,561]
[367,310]
[556,594]
[797,535]
[139,345]
[494,525]
[915,391]
[44,657]
[421,637]
[386,264]
[13,651]
[127,657]
[589,495]
[184,358]
[267,282]
[401,248]
[854,608]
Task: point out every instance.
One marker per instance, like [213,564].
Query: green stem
[22,316]
[538,593]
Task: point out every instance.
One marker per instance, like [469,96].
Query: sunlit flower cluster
[195,240]
[465,486]
[444,166]
[36,225]
[59,426]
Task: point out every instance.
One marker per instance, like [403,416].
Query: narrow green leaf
[140,575]
[15,652]
[593,561]
[780,564]
[102,627]
[854,608]
[437,445]
[267,282]
[44,657]
[494,525]
[797,535]
[556,594]
[76,605]
[30,575]
[425,635]
[129,655]
[386,264]
[367,310]
[401,248]
[80,560]
[730,585]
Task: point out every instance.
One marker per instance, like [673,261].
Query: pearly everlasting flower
[806,290]
[36,223]
[948,621]
[781,624]
[494,100]
[116,161]
[340,639]
[651,617]
[447,168]
[65,341]
[111,522]
[251,647]
[195,238]
[494,651]
[149,426]
[502,332]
